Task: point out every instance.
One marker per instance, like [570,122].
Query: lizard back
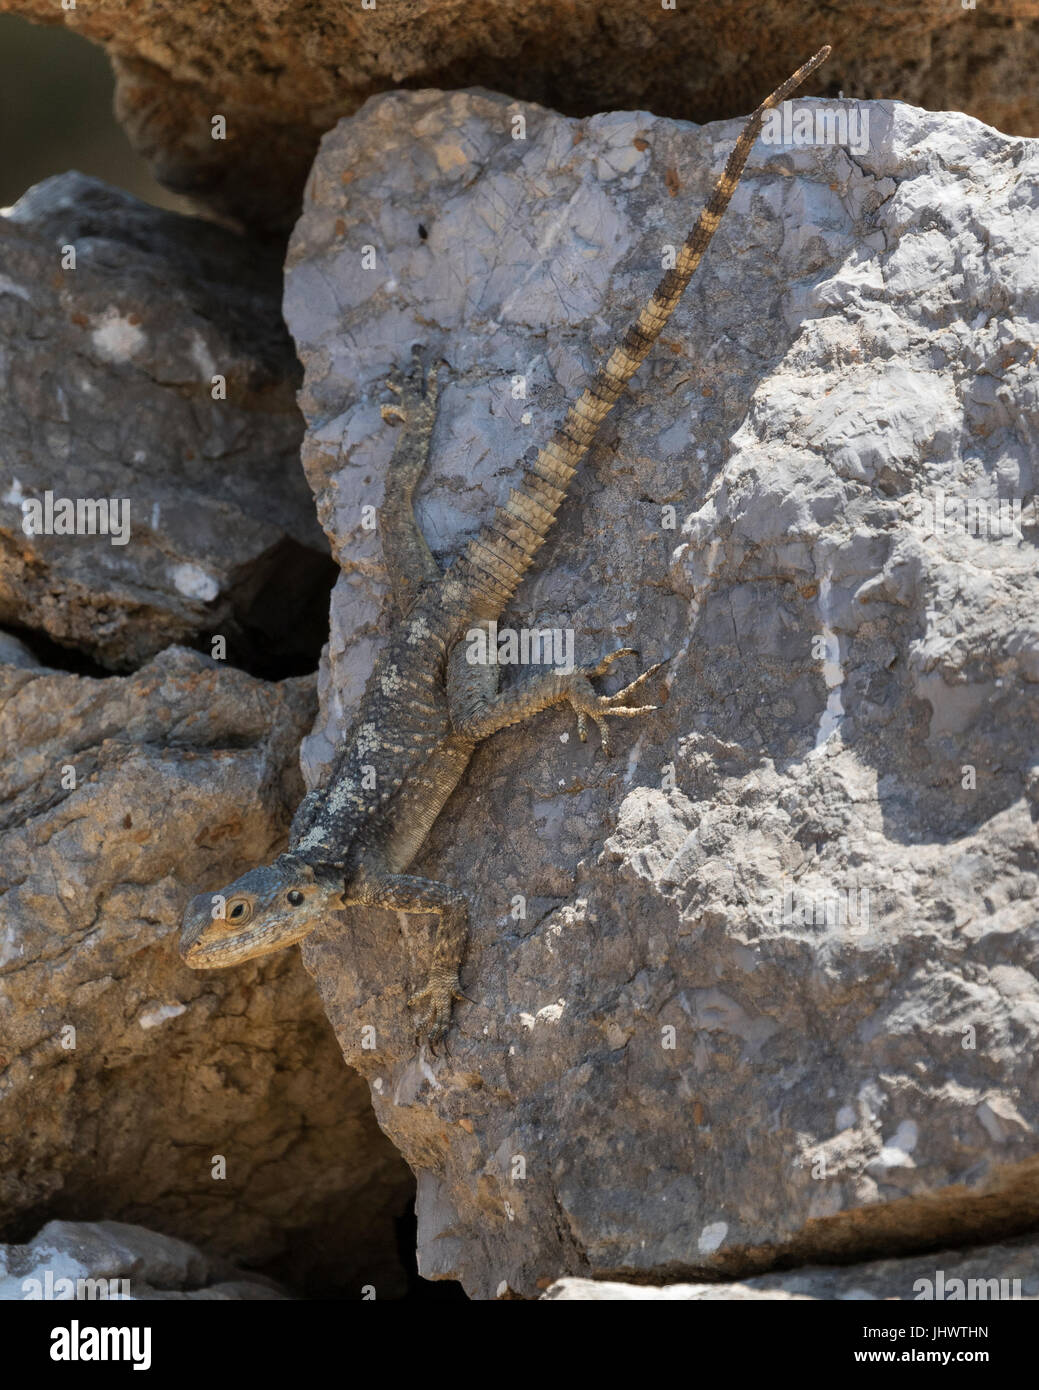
[401,720]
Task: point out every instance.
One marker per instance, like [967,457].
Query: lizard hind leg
[477,713]
[411,893]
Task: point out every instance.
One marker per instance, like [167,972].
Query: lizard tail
[496,559]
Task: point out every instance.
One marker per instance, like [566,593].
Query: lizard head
[264,910]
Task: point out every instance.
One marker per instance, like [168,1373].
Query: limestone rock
[763,986]
[124,1076]
[986,1273]
[109,369]
[83,1260]
[15,653]
[280,74]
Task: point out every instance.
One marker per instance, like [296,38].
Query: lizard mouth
[207,944]
[231,950]
[200,947]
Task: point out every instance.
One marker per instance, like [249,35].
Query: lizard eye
[295,897]
[238,910]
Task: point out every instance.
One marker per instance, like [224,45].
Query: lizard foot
[436,1001]
[415,405]
[588,704]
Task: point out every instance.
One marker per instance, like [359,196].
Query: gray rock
[762,987]
[16,653]
[987,1273]
[124,1076]
[109,372]
[92,1260]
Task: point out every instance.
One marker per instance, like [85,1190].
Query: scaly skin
[424,708]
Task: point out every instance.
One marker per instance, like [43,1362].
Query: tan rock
[127,1080]
[282,73]
[987,1273]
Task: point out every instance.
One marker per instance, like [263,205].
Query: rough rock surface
[14,652]
[773,995]
[281,74]
[108,371]
[104,1254]
[1009,1271]
[122,1073]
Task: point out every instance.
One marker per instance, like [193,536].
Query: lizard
[425,708]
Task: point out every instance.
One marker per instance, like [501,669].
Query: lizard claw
[607,661]
[588,704]
[436,1001]
[416,391]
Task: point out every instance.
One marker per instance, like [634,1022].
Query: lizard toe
[434,1004]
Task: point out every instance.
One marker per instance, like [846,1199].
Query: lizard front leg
[306,813]
[378,887]
[478,709]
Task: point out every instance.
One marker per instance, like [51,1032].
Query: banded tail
[494,562]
